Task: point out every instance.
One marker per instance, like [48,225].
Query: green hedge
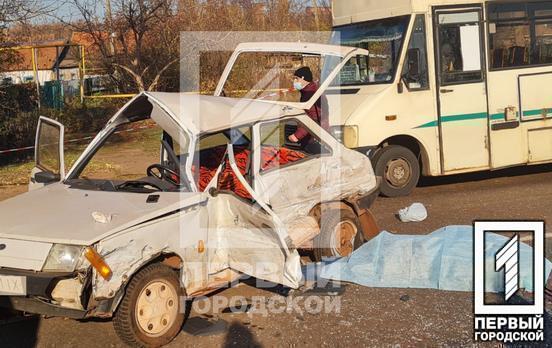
[19,116]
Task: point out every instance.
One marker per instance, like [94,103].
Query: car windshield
[383,39]
[138,156]
[270,75]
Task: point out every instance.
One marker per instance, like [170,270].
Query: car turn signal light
[98,263]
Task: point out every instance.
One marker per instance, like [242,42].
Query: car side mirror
[46,178]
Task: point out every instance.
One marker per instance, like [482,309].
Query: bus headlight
[63,258]
[347,135]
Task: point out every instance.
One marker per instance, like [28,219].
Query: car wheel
[399,169]
[340,234]
[150,314]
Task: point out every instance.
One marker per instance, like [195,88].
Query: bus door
[462,94]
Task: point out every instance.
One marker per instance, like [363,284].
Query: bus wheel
[399,169]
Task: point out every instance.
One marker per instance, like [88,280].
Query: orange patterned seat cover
[210,160]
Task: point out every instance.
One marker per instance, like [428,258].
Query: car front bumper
[38,289]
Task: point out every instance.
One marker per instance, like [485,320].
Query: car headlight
[63,258]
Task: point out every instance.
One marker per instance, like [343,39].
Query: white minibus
[448,87]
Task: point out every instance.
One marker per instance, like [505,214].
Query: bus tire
[151,314]
[399,169]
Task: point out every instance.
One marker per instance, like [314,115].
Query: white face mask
[297,85]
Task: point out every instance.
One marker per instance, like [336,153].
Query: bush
[19,116]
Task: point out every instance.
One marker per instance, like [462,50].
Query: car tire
[340,234]
[151,313]
[399,169]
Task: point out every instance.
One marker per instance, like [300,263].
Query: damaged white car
[176,197]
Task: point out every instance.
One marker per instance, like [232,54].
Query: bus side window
[519,34]
[415,71]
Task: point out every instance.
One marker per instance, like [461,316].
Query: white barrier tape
[73,140]
[17,150]
[32,147]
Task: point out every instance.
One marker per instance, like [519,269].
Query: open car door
[49,161]
[247,236]
[332,60]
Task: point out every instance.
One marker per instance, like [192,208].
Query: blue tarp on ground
[441,260]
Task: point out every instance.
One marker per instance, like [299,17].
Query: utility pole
[111,34]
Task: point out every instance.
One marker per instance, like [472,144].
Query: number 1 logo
[507,258]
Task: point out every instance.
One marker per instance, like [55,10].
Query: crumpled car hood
[59,214]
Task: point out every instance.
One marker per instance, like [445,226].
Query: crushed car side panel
[294,190]
[180,234]
[242,238]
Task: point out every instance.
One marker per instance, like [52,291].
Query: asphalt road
[369,317]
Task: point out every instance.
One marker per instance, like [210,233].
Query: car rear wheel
[399,169]
[340,234]
[150,314]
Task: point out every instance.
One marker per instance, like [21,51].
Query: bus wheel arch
[400,161]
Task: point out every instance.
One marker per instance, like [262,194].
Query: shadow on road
[240,335]
[485,175]
[19,333]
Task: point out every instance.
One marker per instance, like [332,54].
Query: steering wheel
[165,173]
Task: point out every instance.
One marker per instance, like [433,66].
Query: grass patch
[123,150]
[19,173]
[16,174]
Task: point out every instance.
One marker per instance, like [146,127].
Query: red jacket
[318,112]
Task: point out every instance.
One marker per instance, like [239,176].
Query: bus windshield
[383,39]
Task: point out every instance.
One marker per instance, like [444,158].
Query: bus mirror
[413,61]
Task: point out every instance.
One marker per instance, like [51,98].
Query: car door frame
[313,127]
[280,230]
[346,53]
[33,183]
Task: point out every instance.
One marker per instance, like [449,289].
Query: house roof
[47,53]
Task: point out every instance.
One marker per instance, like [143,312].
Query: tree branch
[155,82]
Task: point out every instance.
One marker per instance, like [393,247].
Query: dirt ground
[367,316]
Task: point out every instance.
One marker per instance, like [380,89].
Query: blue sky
[65,9]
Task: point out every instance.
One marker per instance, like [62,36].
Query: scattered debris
[417,212]
[101,218]
[237,309]
[405,298]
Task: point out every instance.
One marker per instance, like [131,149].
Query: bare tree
[135,44]
[11,12]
